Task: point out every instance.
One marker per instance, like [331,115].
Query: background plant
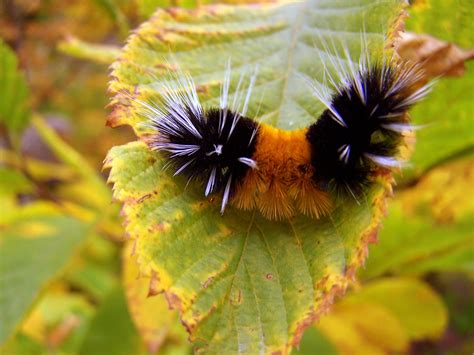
[63,284]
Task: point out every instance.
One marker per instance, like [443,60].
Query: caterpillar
[253,165]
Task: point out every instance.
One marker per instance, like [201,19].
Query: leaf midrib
[294,40]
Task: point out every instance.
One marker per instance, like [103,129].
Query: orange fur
[282,181]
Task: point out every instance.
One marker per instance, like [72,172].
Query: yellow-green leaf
[240,282]
[429,226]
[111,330]
[14,108]
[150,313]
[33,248]
[384,316]
[412,302]
[447,114]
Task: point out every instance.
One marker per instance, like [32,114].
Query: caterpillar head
[212,146]
[362,128]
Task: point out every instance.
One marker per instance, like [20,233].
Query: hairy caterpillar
[255,166]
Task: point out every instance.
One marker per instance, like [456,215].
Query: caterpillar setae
[253,165]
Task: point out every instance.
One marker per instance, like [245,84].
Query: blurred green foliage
[61,286]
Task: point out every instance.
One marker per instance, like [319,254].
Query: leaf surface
[446,116]
[33,248]
[241,283]
[150,313]
[14,109]
[111,330]
[429,227]
[407,308]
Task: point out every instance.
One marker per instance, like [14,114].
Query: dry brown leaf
[436,57]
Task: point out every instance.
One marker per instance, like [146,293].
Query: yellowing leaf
[414,304]
[364,328]
[94,52]
[429,227]
[384,316]
[240,282]
[59,320]
[151,315]
[436,58]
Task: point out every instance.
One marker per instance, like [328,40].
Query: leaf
[436,58]
[446,133]
[146,8]
[111,8]
[22,344]
[92,278]
[430,16]
[150,314]
[111,330]
[412,302]
[13,182]
[230,276]
[59,320]
[280,38]
[94,52]
[240,282]
[384,316]
[315,342]
[33,248]
[357,329]
[14,109]
[429,227]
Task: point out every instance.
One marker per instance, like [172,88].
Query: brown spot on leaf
[159,227]
[59,334]
[153,289]
[173,300]
[143,198]
[209,281]
[237,299]
[114,118]
[269,277]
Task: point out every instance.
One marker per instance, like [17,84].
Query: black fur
[238,145]
[364,132]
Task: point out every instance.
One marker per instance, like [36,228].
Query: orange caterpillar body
[283,181]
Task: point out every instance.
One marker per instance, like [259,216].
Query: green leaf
[237,276]
[14,109]
[22,344]
[14,182]
[429,16]
[33,249]
[315,342]
[240,282]
[281,39]
[446,132]
[429,227]
[111,330]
